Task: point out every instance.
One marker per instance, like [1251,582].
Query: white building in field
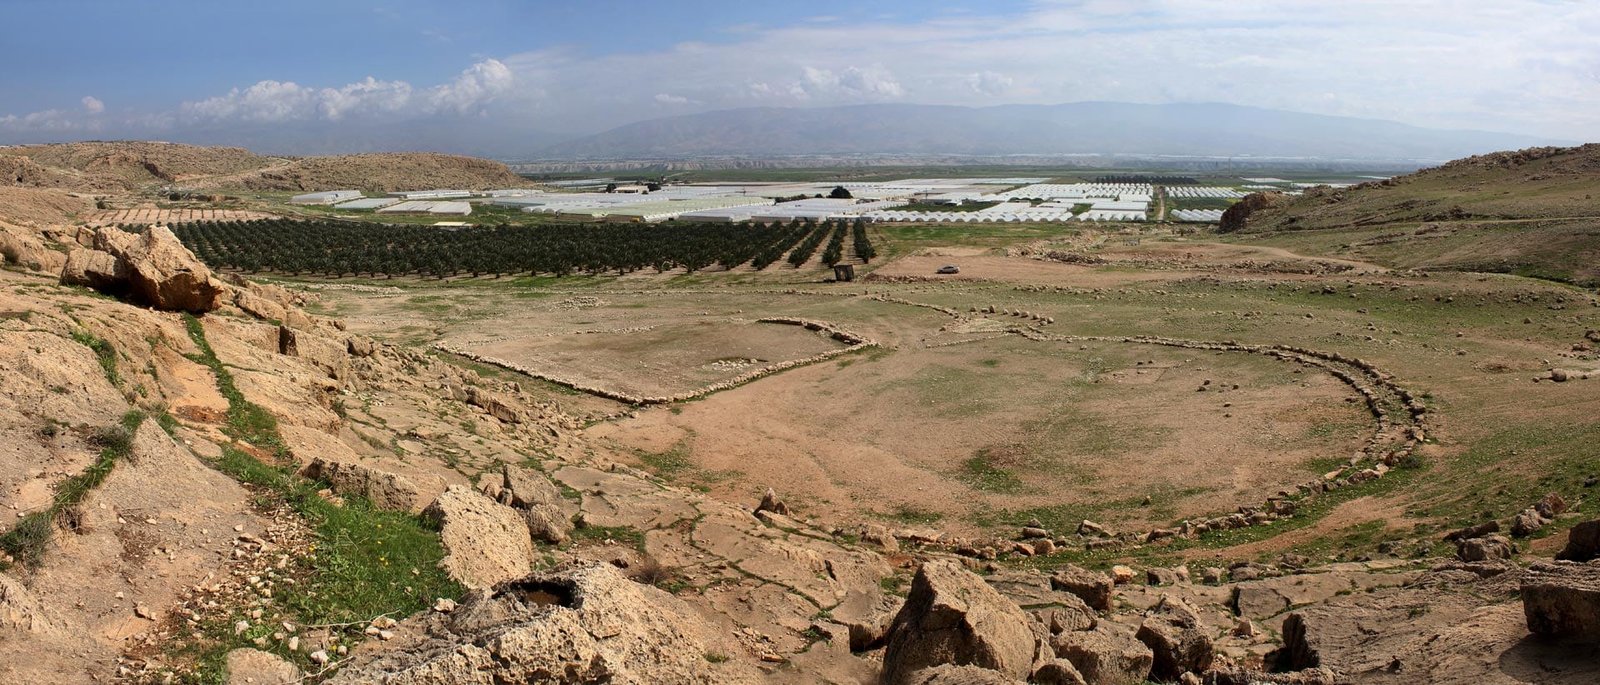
[431,194]
[367,203]
[428,207]
[326,197]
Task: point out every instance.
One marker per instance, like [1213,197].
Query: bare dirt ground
[959,422]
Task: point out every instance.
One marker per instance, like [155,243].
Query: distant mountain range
[1087,128]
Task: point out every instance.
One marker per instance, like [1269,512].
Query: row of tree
[335,249]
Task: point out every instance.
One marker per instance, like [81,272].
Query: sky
[538,72]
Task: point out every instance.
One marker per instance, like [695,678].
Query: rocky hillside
[1537,183]
[1532,212]
[120,165]
[206,483]
[376,172]
[110,167]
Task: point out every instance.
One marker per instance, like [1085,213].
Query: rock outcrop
[1093,587]
[1106,655]
[385,490]
[533,495]
[952,616]
[577,624]
[255,667]
[1583,542]
[486,542]
[153,268]
[1562,599]
[1177,639]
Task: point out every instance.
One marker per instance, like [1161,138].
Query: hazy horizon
[411,75]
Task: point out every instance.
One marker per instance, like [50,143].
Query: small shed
[844,272]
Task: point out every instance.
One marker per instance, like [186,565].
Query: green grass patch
[910,515]
[246,420]
[103,351]
[365,562]
[625,535]
[26,542]
[983,472]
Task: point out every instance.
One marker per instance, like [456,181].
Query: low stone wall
[853,341]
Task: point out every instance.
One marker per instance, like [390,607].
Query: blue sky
[257,71]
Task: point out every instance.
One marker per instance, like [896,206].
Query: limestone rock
[1093,587]
[486,542]
[537,498]
[950,674]
[385,490]
[546,524]
[526,488]
[1057,672]
[153,267]
[1485,548]
[1107,655]
[1562,599]
[770,502]
[95,269]
[24,249]
[255,667]
[1232,675]
[1527,522]
[868,616]
[1180,643]
[577,624]
[1583,542]
[951,616]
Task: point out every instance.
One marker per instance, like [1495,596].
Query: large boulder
[1093,587]
[255,667]
[1562,599]
[95,269]
[486,542]
[577,624]
[1106,655]
[1177,638]
[153,268]
[1583,542]
[951,616]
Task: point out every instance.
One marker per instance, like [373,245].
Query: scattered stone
[1485,548]
[1122,575]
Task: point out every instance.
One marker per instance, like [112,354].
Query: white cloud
[286,101]
[474,87]
[670,99]
[92,104]
[989,83]
[872,83]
